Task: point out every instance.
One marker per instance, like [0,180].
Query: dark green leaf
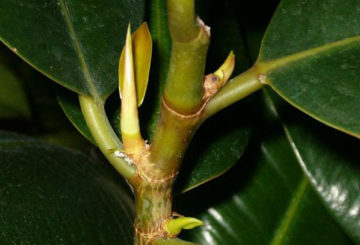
[150,111]
[13,102]
[330,160]
[53,195]
[216,147]
[265,200]
[75,43]
[310,57]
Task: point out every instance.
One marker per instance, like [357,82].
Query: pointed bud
[214,81]
[142,51]
[130,130]
[226,69]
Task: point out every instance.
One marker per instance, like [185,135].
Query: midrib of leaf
[268,66]
[77,47]
[272,65]
[312,114]
[290,213]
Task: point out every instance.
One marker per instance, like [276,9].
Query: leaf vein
[268,66]
[290,213]
[77,47]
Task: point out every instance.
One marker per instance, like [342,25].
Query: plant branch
[105,137]
[190,40]
[236,89]
[182,20]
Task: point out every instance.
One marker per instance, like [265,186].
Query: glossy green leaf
[13,101]
[213,152]
[266,199]
[75,43]
[150,111]
[310,56]
[54,195]
[330,160]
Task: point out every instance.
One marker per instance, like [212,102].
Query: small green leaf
[226,69]
[310,56]
[129,123]
[54,195]
[142,50]
[174,226]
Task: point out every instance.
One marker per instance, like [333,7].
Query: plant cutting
[107,56]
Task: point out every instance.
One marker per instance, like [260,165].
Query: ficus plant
[171,94]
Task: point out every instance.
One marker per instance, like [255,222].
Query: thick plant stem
[190,40]
[182,23]
[156,173]
[105,137]
[182,105]
[171,140]
[153,209]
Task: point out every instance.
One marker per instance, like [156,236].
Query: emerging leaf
[214,81]
[130,130]
[141,52]
[226,69]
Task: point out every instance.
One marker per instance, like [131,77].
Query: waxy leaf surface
[75,43]
[310,56]
[265,199]
[330,160]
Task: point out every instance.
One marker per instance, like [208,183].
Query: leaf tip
[226,69]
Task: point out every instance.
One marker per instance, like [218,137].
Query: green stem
[182,20]
[172,137]
[190,40]
[236,89]
[105,137]
[153,209]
